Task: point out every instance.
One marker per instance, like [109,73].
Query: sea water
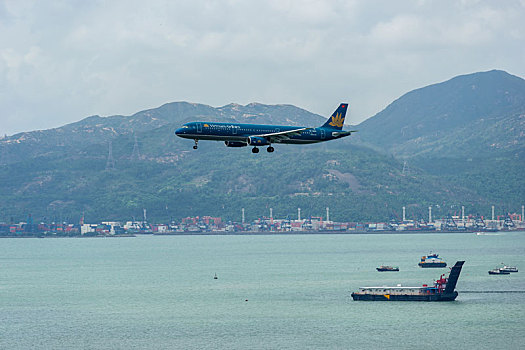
[271,292]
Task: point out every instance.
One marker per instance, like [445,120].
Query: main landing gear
[196,144]
[270,149]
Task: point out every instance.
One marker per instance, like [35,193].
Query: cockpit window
[184,126]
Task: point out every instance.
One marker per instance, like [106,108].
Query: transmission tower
[406,169]
[135,155]
[110,164]
[3,156]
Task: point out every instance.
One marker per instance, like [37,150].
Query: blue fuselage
[241,132]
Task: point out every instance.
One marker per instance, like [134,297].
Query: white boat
[506,268]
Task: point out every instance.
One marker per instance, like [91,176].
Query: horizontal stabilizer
[342,133]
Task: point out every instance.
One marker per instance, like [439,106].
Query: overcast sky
[61,61]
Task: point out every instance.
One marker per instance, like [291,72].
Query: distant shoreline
[284,233]
[262,233]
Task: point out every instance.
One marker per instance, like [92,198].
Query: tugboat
[498,271]
[432,260]
[442,290]
[387,268]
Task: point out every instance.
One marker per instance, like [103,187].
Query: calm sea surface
[272,292]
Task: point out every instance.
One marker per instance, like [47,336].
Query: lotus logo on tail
[337,120]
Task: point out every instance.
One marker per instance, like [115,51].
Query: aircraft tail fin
[337,119]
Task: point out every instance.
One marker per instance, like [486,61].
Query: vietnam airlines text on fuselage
[240,135]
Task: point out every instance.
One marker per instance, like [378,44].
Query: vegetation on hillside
[463,146]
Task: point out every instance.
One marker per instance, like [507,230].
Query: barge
[442,290]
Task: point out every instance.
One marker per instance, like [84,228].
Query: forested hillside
[446,145]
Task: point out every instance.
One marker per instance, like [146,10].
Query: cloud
[62,61]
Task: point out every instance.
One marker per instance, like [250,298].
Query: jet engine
[235,144]
[257,141]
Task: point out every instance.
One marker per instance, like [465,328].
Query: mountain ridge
[413,123]
[63,172]
[96,129]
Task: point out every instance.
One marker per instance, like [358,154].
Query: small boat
[498,271]
[215,277]
[432,260]
[487,233]
[387,268]
[508,268]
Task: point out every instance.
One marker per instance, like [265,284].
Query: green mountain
[59,174]
[469,130]
[356,183]
[480,113]
[75,137]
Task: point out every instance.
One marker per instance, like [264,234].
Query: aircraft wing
[276,137]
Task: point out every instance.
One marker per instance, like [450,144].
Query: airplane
[257,135]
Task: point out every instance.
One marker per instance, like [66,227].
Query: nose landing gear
[196,144]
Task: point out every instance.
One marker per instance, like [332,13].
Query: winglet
[337,119]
